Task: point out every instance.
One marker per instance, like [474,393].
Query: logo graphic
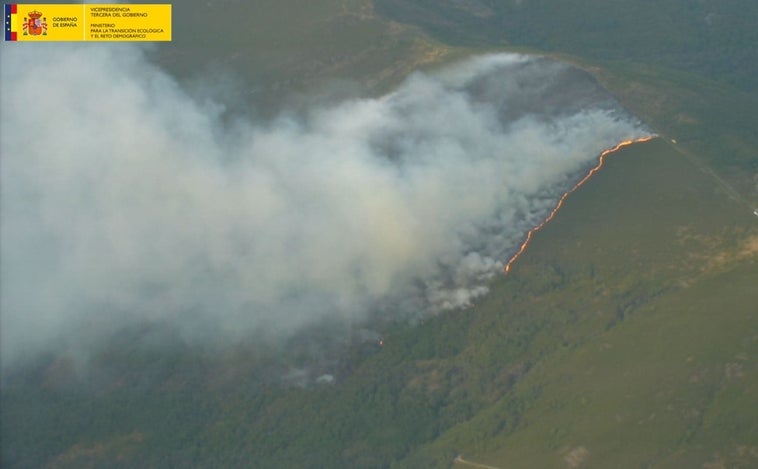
[34,25]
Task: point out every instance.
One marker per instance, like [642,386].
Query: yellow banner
[128,22]
[88,22]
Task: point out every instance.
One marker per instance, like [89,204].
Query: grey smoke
[125,200]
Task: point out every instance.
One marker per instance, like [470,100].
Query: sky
[126,199]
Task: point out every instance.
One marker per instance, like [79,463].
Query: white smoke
[125,201]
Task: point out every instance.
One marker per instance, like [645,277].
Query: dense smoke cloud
[126,201]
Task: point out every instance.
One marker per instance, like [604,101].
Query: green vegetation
[644,53]
[274,50]
[653,336]
[640,355]
[715,39]
[625,337]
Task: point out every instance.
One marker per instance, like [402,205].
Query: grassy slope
[654,312]
[713,123]
[649,262]
[660,238]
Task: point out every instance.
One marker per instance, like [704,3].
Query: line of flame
[563,198]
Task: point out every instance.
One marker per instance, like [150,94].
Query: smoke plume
[126,201]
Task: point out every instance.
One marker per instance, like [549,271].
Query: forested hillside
[625,336]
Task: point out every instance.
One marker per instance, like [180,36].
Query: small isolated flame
[563,198]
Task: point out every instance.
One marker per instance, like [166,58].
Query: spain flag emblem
[10,21]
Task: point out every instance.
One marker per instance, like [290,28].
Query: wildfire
[563,198]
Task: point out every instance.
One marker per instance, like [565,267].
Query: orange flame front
[563,198]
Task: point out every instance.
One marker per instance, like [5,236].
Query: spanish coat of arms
[35,24]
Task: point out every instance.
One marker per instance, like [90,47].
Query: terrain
[625,336]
